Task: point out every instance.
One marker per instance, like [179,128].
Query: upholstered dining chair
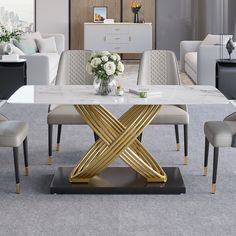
[159,67]
[219,134]
[71,71]
[13,134]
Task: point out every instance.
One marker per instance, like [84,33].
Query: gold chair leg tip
[49,160]
[177,147]
[205,171]
[17,188]
[58,147]
[26,171]
[186,160]
[213,191]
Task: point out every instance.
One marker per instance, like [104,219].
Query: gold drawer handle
[117,48]
[130,38]
[117,38]
[117,29]
[105,38]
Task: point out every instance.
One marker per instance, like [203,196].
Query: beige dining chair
[12,134]
[159,67]
[71,71]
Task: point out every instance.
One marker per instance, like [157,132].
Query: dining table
[118,136]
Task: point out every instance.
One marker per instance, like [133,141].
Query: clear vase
[104,86]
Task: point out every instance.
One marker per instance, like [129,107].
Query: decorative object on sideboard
[230,47]
[104,66]
[136,6]
[99,14]
[6,37]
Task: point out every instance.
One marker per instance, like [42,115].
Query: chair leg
[50,130]
[206,154]
[177,137]
[58,137]
[185,144]
[96,137]
[25,148]
[215,164]
[16,164]
[140,137]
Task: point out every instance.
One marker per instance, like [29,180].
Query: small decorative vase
[230,47]
[104,87]
[7,49]
[136,16]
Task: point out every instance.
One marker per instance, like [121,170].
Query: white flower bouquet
[105,65]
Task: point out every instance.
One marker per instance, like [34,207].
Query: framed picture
[99,14]
[15,14]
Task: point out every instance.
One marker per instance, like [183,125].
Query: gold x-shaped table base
[117,138]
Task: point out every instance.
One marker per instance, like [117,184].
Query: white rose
[94,54]
[105,58]
[89,68]
[118,57]
[104,53]
[110,68]
[113,57]
[120,67]
[96,62]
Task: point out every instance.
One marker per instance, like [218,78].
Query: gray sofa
[198,58]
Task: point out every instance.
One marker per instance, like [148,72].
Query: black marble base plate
[117,180]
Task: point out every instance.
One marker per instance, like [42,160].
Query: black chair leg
[50,131]
[58,137]
[16,164]
[96,137]
[140,137]
[215,164]
[185,144]
[206,156]
[25,148]
[177,137]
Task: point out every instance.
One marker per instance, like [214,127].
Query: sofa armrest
[185,47]
[37,69]
[60,41]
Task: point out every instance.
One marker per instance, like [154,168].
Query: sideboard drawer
[117,38]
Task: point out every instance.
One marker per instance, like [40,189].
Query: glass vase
[104,86]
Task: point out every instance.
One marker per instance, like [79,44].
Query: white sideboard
[118,37]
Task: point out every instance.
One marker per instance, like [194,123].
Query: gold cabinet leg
[18,188]
[49,160]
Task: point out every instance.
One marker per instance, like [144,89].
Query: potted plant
[105,66]
[6,36]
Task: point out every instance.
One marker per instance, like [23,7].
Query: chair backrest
[158,67]
[72,68]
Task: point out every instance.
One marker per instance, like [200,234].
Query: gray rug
[36,212]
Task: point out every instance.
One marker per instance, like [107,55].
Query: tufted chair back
[158,67]
[72,68]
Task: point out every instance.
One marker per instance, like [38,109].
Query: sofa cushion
[27,46]
[212,39]
[32,36]
[47,45]
[191,60]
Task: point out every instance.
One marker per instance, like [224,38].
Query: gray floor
[36,212]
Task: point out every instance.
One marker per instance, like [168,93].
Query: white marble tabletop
[85,95]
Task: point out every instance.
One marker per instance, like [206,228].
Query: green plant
[7,36]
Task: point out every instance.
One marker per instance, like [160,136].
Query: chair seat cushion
[12,133]
[65,114]
[220,133]
[170,114]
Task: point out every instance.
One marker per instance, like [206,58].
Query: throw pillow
[212,39]
[26,46]
[32,35]
[47,45]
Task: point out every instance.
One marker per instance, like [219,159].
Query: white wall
[52,16]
